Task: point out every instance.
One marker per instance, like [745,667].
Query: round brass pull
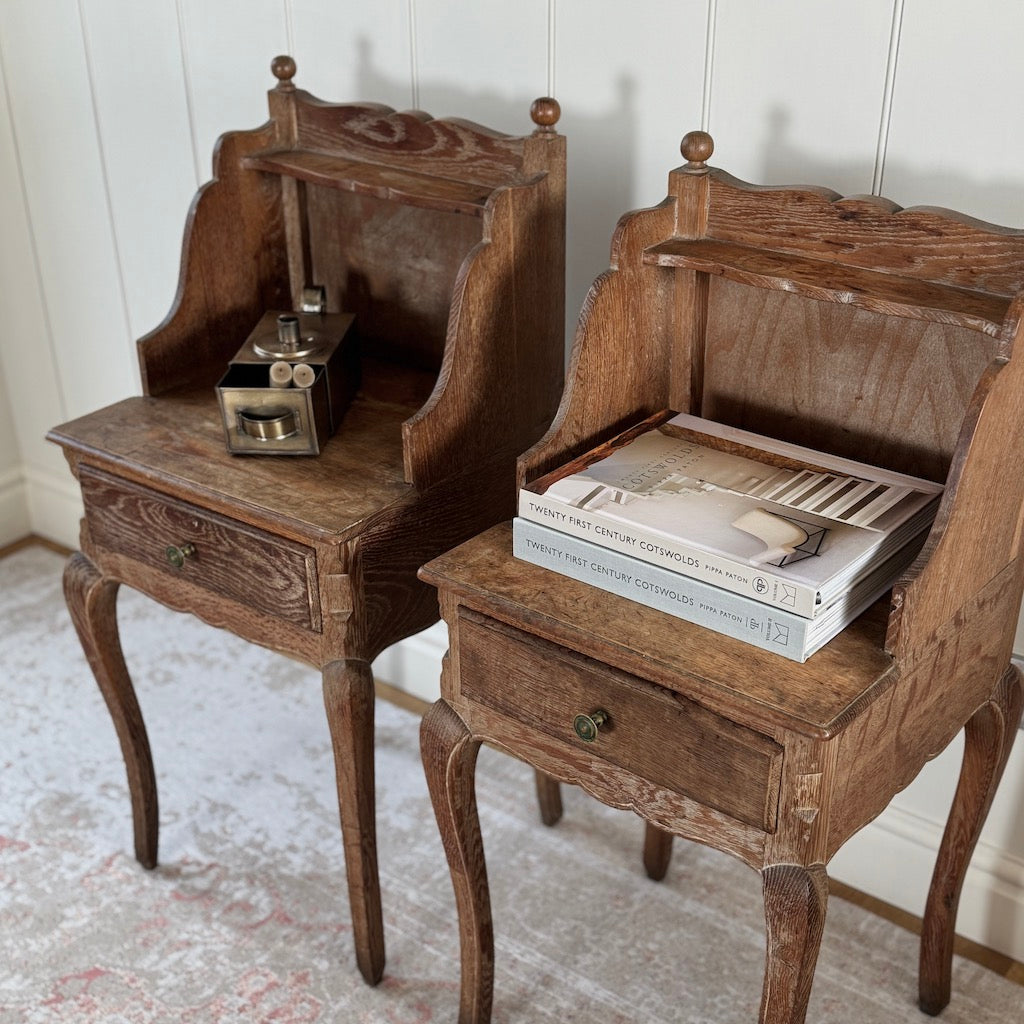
[271,423]
[176,556]
[587,726]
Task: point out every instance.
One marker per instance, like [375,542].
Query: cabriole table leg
[92,601]
[449,761]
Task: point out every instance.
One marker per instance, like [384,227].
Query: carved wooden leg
[657,851]
[449,760]
[987,741]
[549,798]
[795,899]
[92,602]
[348,698]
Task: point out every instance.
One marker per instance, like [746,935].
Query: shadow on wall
[601,189]
[600,160]
[783,163]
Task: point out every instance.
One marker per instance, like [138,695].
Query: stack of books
[758,539]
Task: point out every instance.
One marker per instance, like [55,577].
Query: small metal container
[288,387]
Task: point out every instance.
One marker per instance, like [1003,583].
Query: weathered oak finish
[843,324]
[418,226]
[91,599]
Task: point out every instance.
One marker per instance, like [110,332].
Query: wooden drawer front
[264,573]
[652,732]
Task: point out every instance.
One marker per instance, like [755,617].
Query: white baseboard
[892,858]
[54,505]
[14,517]
[414,665]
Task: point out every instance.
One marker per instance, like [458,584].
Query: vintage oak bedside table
[446,242]
[848,325]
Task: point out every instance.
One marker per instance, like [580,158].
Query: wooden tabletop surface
[755,687]
[176,444]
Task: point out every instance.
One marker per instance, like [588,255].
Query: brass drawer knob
[587,726]
[176,556]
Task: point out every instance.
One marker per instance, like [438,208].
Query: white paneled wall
[957,93]
[630,88]
[110,109]
[14,520]
[797,89]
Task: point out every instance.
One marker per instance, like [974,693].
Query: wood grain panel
[382,261]
[295,496]
[616,786]
[233,560]
[904,729]
[830,282]
[938,246]
[661,736]
[413,141]
[756,688]
[348,175]
[793,368]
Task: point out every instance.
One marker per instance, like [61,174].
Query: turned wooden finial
[545,112]
[697,147]
[283,68]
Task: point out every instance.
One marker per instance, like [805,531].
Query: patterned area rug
[246,918]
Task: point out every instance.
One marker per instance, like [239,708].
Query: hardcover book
[772,629]
[784,525]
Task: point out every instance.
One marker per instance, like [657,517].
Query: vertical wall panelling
[630,79]
[14,519]
[798,88]
[140,99]
[29,393]
[27,366]
[354,51]
[552,26]
[53,120]
[229,45]
[709,65]
[955,107]
[482,61]
[877,186]
[414,60]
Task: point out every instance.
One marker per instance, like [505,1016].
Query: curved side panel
[606,392]
[977,531]
[501,376]
[233,268]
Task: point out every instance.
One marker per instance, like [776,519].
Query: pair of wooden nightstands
[845,325]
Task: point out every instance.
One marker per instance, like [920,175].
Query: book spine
[756,583]
[686,598]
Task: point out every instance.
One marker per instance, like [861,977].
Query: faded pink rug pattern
[246,917]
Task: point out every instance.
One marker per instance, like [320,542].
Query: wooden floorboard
[33,541]
[997,962]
